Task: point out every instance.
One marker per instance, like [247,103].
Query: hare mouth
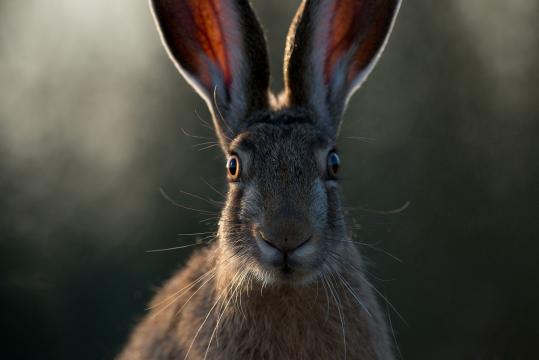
[287,266]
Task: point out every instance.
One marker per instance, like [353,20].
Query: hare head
[282,220]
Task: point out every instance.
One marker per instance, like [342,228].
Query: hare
[282,280]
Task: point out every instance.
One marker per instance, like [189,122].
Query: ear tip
[396,6]
[154,3]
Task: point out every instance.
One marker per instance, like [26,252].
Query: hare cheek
[305,257]
[304,253]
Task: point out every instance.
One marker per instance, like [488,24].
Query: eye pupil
[233,166]
[334,163]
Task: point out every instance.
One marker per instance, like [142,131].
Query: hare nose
[285,246]
[287,236]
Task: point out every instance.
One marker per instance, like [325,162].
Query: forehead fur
[281,153]
[269,131]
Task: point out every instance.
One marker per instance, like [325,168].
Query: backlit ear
[332,47]
[219,47]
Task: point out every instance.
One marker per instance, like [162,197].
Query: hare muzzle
[285,242]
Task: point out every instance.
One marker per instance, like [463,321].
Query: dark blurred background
[91,119]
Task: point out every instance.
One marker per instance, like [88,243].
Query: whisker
[210,273]
[327,296]
[209,147]
[220,315]
[207,201]
[315,301]
[176,247]
[374,248]
[225,263]
[333,292]
[387,301]
[187,287]
[371,286]
[355,267]
[393,334]
[195,136]
[208,239]
[378,278]
[367,140]
[202,325]
[179,295]
[204,122]
[237,294]
[213,188]
[207,220]
[219,112]
[173,202]
[197,233]
[354,295]
[204,322]
[204,143]
[384,212]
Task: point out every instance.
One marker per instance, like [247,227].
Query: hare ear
[332,47]
[219,47]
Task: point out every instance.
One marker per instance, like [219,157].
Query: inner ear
[342,29]
[219,47]
[371,39]
[332,47]
[203,37]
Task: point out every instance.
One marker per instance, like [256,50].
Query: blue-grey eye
[334,162]
[233,166]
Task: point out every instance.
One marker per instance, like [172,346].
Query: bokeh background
[94,124]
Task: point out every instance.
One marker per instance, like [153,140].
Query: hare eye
[234,168]
[334,162]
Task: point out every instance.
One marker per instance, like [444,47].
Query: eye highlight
[334,163]
[233,166]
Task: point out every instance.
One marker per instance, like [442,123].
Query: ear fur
[332,47]
[219,47]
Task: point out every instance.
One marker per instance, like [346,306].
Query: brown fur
[282,279]
[270,323]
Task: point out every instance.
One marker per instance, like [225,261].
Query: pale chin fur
[275,278]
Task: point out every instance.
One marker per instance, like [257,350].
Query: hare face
[283,210]
[282,216]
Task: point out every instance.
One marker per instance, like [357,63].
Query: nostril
[267,241]
[271,244]
[309,238]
